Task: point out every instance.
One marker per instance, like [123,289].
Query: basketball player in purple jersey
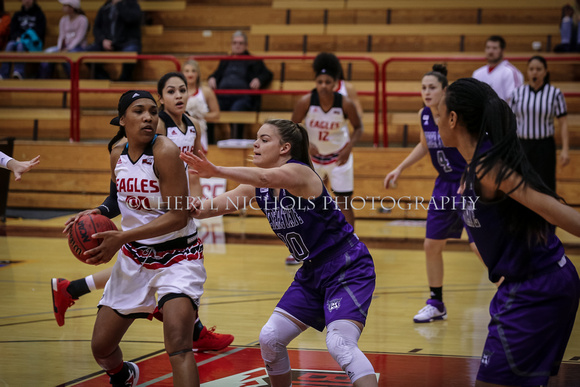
[442,223]
[512,222]
[334,286]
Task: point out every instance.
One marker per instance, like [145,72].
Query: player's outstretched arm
[548,207]
[226,203]
[18,167]
[300,180]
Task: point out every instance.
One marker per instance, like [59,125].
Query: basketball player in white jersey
[182,130]
[326,114]
[159,252]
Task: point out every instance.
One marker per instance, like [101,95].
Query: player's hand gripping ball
[79,236]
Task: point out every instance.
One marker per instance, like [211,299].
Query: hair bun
[440,68]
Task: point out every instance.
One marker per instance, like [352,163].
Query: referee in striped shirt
[535,106]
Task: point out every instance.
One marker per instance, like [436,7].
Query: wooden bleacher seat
[216,16]
[34,114]
[238,117]
[309,4]
[74,56]
[406,29]
[151,30]
[31,116]
[416,4]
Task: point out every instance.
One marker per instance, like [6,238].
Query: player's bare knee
[177,341]
[434,245]
[101,349]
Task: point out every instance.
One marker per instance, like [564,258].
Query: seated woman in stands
[72,35]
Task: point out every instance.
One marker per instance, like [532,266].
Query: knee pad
[278,332]
[341,340]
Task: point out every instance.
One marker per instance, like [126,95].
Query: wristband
[110,207]
[4,160]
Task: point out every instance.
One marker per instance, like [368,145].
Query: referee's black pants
[542,155]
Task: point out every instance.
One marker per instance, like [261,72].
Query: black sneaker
[128,377]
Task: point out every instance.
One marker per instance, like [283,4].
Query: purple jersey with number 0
[447,161]
[310,228]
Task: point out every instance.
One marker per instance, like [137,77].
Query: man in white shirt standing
[501,75]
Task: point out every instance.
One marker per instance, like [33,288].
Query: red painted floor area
[241,367]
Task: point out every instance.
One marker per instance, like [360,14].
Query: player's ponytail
[439,71]
[297,136]
[489,120]
[120,134]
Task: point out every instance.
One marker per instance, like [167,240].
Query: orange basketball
[79,236]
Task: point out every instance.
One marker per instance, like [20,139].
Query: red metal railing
[75,88]
[372,61]
[440,59]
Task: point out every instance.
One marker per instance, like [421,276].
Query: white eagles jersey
[185,141]
[327,130]
[138,195]
[197,108]
[342,88]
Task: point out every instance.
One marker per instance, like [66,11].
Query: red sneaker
[291,261]
[209,340]
[61,300]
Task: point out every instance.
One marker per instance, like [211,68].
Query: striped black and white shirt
[535,110]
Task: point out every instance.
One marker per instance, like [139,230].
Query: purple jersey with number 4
[310,228]
[447,161]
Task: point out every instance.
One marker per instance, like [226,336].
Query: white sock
[90,282]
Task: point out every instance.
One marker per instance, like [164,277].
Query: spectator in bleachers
[535,106]
[72,34]
[569,32]
[202,103]
[4,26]
[239,74]
[27,30]
[501,75]
[117,28]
